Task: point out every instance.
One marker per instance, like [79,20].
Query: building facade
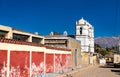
[24,54]
[85,34]
[20,59]
[12,33]
[63,41]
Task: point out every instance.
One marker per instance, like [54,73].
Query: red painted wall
[49,63]
[66,60]
[58,62]
[63,61]
[19,63]
[37,63]
[3,62]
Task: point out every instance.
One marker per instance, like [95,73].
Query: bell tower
[85,34]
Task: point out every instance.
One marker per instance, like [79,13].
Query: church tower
[85,34]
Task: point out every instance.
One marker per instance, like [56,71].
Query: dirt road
[95,71]
[98,71]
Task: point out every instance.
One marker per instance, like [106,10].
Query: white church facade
[85,34]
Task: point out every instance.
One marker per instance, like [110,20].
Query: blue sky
[44,16]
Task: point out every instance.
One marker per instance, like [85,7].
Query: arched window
[80,30]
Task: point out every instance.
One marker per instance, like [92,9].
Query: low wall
[88,58]
[18,59]
[85,58]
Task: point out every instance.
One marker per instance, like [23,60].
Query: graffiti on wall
[19,64]
[3,63]
[37,63]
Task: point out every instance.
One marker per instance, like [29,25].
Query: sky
[45,16]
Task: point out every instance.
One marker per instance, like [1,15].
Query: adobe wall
[73,44]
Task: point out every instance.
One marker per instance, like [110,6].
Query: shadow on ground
[108,65]
[111,66]
[116,71]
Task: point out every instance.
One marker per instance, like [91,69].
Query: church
[85,34]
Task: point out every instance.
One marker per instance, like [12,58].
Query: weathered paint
[37,63]
[63,61]
[58,62]
[66,61]
[19,63]
[3,63]
[49,63]
[31,61]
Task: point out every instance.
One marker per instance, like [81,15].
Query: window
[20,37]
[80,30]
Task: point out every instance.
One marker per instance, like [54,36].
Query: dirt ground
[93,71]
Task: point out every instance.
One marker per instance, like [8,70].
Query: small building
[63,41]
[12,33]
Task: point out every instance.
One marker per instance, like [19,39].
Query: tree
[97,48]
[100,50]
[103,52]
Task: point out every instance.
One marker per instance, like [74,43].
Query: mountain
[107,41]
